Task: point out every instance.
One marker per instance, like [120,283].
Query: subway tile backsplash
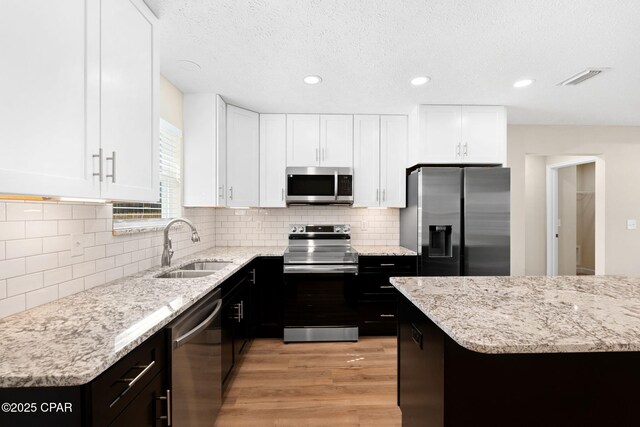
[37,264]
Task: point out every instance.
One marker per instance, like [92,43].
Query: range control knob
[346,229]
[293,230]
[337,229]
[300,229]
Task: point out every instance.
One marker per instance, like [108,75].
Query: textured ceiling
[256,52]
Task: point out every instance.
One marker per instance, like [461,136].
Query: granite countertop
[371,250]
[531,314]
[73,340]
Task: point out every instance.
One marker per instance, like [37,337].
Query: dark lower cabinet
[148,409]
[377,301]
[269,296]
[441,383]
[238,321]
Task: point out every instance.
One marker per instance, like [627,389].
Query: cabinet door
[200,149]
[484,134]
[303,140]
[273,159]
[336,140]
[221,155]
[243,157]
[393,146]
[366,161]
[440,136]
[129,100]
[49,98]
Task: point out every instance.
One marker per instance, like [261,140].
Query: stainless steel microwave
[319,186]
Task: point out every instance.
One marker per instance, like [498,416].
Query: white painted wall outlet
[632,224]
[77,244]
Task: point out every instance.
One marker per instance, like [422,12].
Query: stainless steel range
[320,269]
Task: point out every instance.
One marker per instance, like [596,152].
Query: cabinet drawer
[376,286]
[148,409]
[112,391]
[392,265]
[377,317]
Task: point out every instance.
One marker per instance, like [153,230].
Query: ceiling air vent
[580,77]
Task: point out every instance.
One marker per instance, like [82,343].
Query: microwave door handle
[335,184]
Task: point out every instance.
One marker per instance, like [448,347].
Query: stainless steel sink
[206,265]
[184,274]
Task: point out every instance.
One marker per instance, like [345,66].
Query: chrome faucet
[167,252]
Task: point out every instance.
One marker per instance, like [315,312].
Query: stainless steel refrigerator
[457,219]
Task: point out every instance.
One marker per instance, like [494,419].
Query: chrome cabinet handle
[317,158]
[99,157]
[230,193]
[386,286]
[132,381]
[283,194]
[390,264]
[335,184]
[384,194]
[387,315]
[465,149]
[167,398]
[377,194]
[237,316]
[324,154]
[458,149]
[221,192]
[252,279]
[113,166]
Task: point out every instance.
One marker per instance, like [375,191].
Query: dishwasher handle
[183,339]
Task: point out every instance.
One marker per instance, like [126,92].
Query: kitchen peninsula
[519,350]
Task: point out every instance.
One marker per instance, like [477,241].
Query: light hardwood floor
[315,384]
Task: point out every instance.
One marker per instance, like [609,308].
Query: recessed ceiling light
[421,80]
[186,65]
[523,83]
[312,80]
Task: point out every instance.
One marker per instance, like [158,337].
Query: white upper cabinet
[129,100]
[366,160]
[273,156]
[205,124]
[75,94]
[49,98]
[459,134]
[336,140]
[243,157]
[319,140]
[380,143]
[484,134]
[393,148]
[303,140]
[442,134]
[221,151]
[199,149]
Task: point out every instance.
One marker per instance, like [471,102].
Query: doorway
[571,216]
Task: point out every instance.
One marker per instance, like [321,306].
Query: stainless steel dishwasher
[196,364]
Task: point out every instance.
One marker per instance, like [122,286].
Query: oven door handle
[298,269]
[182,340]
[335,184]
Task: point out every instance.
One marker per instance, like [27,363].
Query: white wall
[618,150]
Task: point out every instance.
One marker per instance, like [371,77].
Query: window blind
[169,203]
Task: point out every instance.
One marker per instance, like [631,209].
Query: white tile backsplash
[37,264]
[267,227]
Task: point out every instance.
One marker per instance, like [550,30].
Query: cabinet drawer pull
[99,157]
[387,315]
[132,381]
[387,264]
[386,286]
[167,417]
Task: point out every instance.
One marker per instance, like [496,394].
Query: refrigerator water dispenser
[440,241]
